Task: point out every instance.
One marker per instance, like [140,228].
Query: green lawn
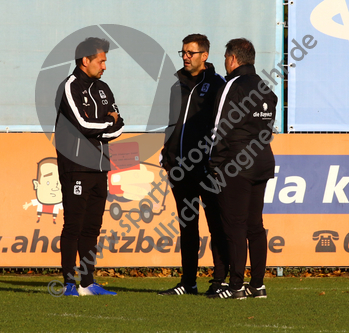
[293,305]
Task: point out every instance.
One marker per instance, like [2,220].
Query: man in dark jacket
[184,157]
[242,162]
[87,119]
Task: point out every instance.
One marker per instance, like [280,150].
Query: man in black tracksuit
[184,157]
[242,162]
[87,119]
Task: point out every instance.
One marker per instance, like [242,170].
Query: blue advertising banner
[317,187]
[318,49]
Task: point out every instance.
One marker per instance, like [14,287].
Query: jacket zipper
[185,118]
[96,115]
[78,147]
[100,161]
[89,92]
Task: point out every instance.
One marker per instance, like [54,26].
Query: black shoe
[256,292]
[228,292]
[216,287]
[179,289]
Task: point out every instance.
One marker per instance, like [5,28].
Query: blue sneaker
[94,289]
[70,290]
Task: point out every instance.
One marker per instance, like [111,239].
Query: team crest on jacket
[78,188]
[102,94]
[205,87]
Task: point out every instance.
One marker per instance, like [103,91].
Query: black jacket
[83,126]
[244,127]
[191,116]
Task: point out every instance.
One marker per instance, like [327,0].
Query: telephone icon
[325,243]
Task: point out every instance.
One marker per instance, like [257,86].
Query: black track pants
[187,193]
[84,197]
[241,203]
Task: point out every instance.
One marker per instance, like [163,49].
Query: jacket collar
[82,76]
[186,78]
[241,70]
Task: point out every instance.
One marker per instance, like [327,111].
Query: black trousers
[187,193]
[241,203]
[84,197]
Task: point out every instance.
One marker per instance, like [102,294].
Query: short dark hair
[242,49]
[201,40]
[89,48]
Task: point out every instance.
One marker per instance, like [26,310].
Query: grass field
[293,305]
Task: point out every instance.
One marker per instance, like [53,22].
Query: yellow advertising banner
[306,204]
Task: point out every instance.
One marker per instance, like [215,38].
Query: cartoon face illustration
[47,184]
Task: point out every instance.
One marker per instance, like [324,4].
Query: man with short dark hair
[184,157]
[87,119]
[243,161]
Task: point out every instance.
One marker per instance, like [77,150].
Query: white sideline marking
[285,328]
[308,288]
[93,317]
[233,325]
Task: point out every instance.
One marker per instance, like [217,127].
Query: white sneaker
[94,289]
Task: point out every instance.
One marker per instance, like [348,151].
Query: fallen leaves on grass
[268,274]
[247,273]
[119,275]
[205,273]
[135,273]
[337,273]
[165,272]
[102,273]
[122,272]
[322,293]
[322,272]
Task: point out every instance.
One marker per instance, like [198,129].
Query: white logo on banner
[322,18]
